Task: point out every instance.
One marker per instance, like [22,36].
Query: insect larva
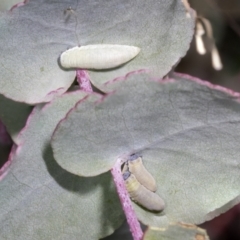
[130,158]
[142,195]
[99,56]
[137,168]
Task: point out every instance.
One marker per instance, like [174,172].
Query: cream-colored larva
[137,168]
[142,195]
[99,56]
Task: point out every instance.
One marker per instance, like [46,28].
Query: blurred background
[224,17]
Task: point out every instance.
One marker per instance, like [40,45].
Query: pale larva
[136,167]
[142,195]
[99,56]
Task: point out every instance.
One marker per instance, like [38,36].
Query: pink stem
[131,217]
[85,85]
[84,80]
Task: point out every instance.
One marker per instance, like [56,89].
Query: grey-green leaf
[40,200]
[187,131]
[33,37]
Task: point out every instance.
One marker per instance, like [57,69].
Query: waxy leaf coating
[187,132]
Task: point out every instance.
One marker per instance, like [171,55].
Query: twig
[84,80]
[131,217]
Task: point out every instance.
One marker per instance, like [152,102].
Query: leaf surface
[40,200]
[187,132]
[34,36]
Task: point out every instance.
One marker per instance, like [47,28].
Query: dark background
[224,16]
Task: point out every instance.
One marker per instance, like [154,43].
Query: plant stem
[134,225]
[131,217]
[84,80]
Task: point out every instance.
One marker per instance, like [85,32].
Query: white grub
[143,196]
[99,56]
[145,178]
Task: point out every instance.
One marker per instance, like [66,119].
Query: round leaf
[160,28]
[186,131]
[40,200]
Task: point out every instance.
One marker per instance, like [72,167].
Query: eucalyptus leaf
[176,232]
[34,35]
[187,131]
[7,4]
[40,200]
